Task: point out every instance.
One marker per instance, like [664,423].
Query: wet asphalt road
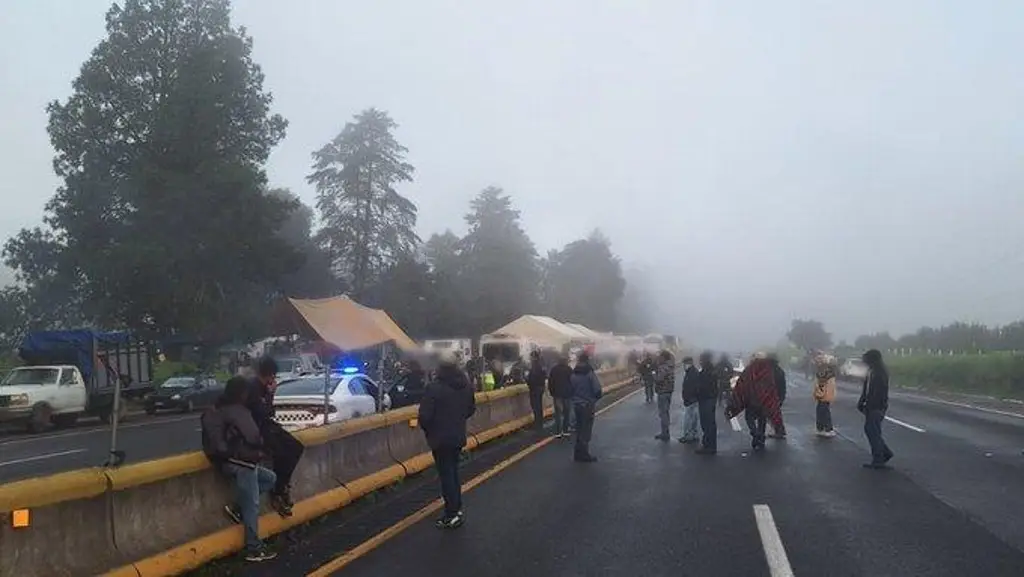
[87,445]
[951,506]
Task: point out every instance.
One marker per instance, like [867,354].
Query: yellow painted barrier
[85,522]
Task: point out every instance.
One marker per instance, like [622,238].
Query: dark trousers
[648,389]
[563,415]
[756,422]
[823,416]
[285,451]
[584,428]
[537,405]
[446,459]
[880,452]
[709,439]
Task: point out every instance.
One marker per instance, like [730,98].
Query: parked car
[300,403]
[184,394]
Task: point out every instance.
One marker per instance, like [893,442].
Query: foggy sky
[855,162]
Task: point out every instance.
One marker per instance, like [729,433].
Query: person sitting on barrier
[586,391]
[536,378]
[285,450]
[561,393]
[233,444]
[446,406]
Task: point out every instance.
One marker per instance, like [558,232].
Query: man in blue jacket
[586,390]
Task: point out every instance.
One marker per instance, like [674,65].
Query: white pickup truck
[40,395]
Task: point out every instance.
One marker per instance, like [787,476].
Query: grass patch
[997,374]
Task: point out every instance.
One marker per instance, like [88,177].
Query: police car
[301,402]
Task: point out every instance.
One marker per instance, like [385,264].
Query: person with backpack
[285,450]
[446,406]
[234,446]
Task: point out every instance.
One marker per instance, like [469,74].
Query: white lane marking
[40,457]
[965,406]
[90,430]
[902,424]
[774,552]
[735,424]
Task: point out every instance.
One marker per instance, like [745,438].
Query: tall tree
[500,276]
[312,277]
[367,224]
[584,282]
[446,315]
[406,291]
[809,335]
[160,219]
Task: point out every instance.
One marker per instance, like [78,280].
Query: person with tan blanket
[824,394]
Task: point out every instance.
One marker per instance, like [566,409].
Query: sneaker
[661,437]
[260,555]
[233,513]
[453,522]
[828,434]
[686,441]
[281,504]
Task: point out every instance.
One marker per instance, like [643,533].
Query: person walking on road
[646,369]
[756,396]
[446,406]
[536,378]
[234,446]
[664,386]
[824,395]
[707,400]
[285,450]
[561,394]
[586,391]
[873,403]
[691,414]
[779,376]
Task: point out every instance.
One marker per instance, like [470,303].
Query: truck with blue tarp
[68,374]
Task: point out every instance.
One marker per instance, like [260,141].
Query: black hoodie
[874,395]
[447,403]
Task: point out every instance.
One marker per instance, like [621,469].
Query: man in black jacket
[707,400]
[873,403]
[691,413]
[285,450]
[561,393]
[536,378]
[232,442]
[446,406]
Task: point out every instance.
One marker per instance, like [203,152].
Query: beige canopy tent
[348,325]
[543,330]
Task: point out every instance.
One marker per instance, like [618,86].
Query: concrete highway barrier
[164,517]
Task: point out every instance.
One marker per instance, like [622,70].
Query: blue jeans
[250,483]
[563,415]
[691,422]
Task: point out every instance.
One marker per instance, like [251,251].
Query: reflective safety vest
[488,381]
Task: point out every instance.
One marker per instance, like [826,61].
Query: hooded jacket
[537,376]
[558,381]
[586,387]
[231,435]
[447,404]
[691,385]
[874,394]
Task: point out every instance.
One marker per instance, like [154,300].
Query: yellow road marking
[379,539]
